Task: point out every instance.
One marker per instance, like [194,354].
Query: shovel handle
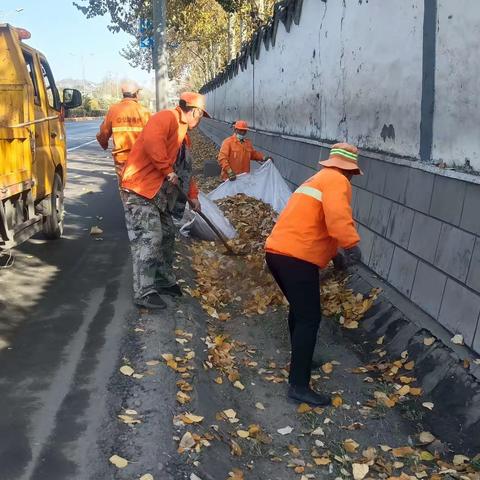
[207,221]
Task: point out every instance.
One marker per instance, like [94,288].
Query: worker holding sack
[316,223]
[237,151]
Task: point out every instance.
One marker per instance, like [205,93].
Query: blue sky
[64,35]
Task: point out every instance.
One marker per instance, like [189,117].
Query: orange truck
[32,142]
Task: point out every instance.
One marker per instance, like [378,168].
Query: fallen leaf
[131,412]
[219,380]
[187,441]
[327,368]
[183,398]
[191,418]
[243,433]
[96,230]
[138,376]
[337,401]
[235,449]
[152,363]
[350,446]
[127,370]
[119,462]
[428,405]
[381,340]
[285,431]
[129,420]
[147,476]
[239,385]
[318,431]
[360,470]
[426,438]
[459,460]
[457,339]
[403,452]
[231,414]
[403,391]
[304,408]
[426,456]
[385,448]
[259,406]
[322,461]
[235,474]
[409,366]
[429,341]
[167,357]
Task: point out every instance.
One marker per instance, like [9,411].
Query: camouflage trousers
[152,240]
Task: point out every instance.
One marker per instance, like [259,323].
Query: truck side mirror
[72,98]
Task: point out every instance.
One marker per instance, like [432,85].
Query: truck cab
[32,141]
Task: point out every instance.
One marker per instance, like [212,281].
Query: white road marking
[80,146]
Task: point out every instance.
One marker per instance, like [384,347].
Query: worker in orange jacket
[316,222]
[237,151]
[150,182]
[124,121]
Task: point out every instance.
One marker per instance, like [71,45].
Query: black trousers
[300,283]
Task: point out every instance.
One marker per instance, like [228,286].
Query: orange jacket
[236,155]
[316,221]
[124,121]
[153,155]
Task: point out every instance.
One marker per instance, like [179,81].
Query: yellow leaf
[230,413]
[429,341]
[192,418]
[327,368]
[137,376]
[239,385]
[219,380]
[152,363]
[119,462]
[459,460]
[405,390]
[360,470]
[409,366]
[183,398]
[243,433]
[337,401]
[416,392]
[127,370]
[304,408]
[259,406]
[167,357]
[322,461]
[426,456]
[403,452]
[426,438]
[147,476]
[352,325]
[350,446]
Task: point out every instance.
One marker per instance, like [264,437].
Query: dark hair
[129,95]
[183,105]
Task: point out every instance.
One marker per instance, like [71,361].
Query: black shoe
[173,291]
[307,395]
[152,301]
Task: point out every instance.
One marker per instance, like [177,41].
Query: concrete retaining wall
[398,79]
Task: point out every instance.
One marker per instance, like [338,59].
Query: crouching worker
[237,151]
[150,182]
[316,222]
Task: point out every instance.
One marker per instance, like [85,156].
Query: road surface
[63,305]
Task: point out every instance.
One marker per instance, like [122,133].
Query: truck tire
[53,223]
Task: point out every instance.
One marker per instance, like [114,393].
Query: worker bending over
[316,222]
[150,183]
[124,121]
[237,151]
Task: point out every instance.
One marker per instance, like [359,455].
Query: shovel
[208,222]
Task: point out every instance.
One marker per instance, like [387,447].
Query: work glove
[339,262]
[352,255]
[231,175]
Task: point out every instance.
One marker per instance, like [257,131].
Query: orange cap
[343,156]
[241,125]
[196,100]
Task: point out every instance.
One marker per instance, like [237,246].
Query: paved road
[63,307]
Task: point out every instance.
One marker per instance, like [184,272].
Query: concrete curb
[439,368]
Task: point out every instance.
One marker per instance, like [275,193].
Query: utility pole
[160,54]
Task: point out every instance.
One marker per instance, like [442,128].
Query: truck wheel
[53,223]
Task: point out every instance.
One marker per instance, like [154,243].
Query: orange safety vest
[317,220]
[124,121]
[236,155]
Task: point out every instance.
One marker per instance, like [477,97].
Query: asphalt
[64,305]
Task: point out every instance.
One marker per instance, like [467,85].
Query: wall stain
[388,131]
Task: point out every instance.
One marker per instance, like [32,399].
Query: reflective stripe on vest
[126,129]
[310,191]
